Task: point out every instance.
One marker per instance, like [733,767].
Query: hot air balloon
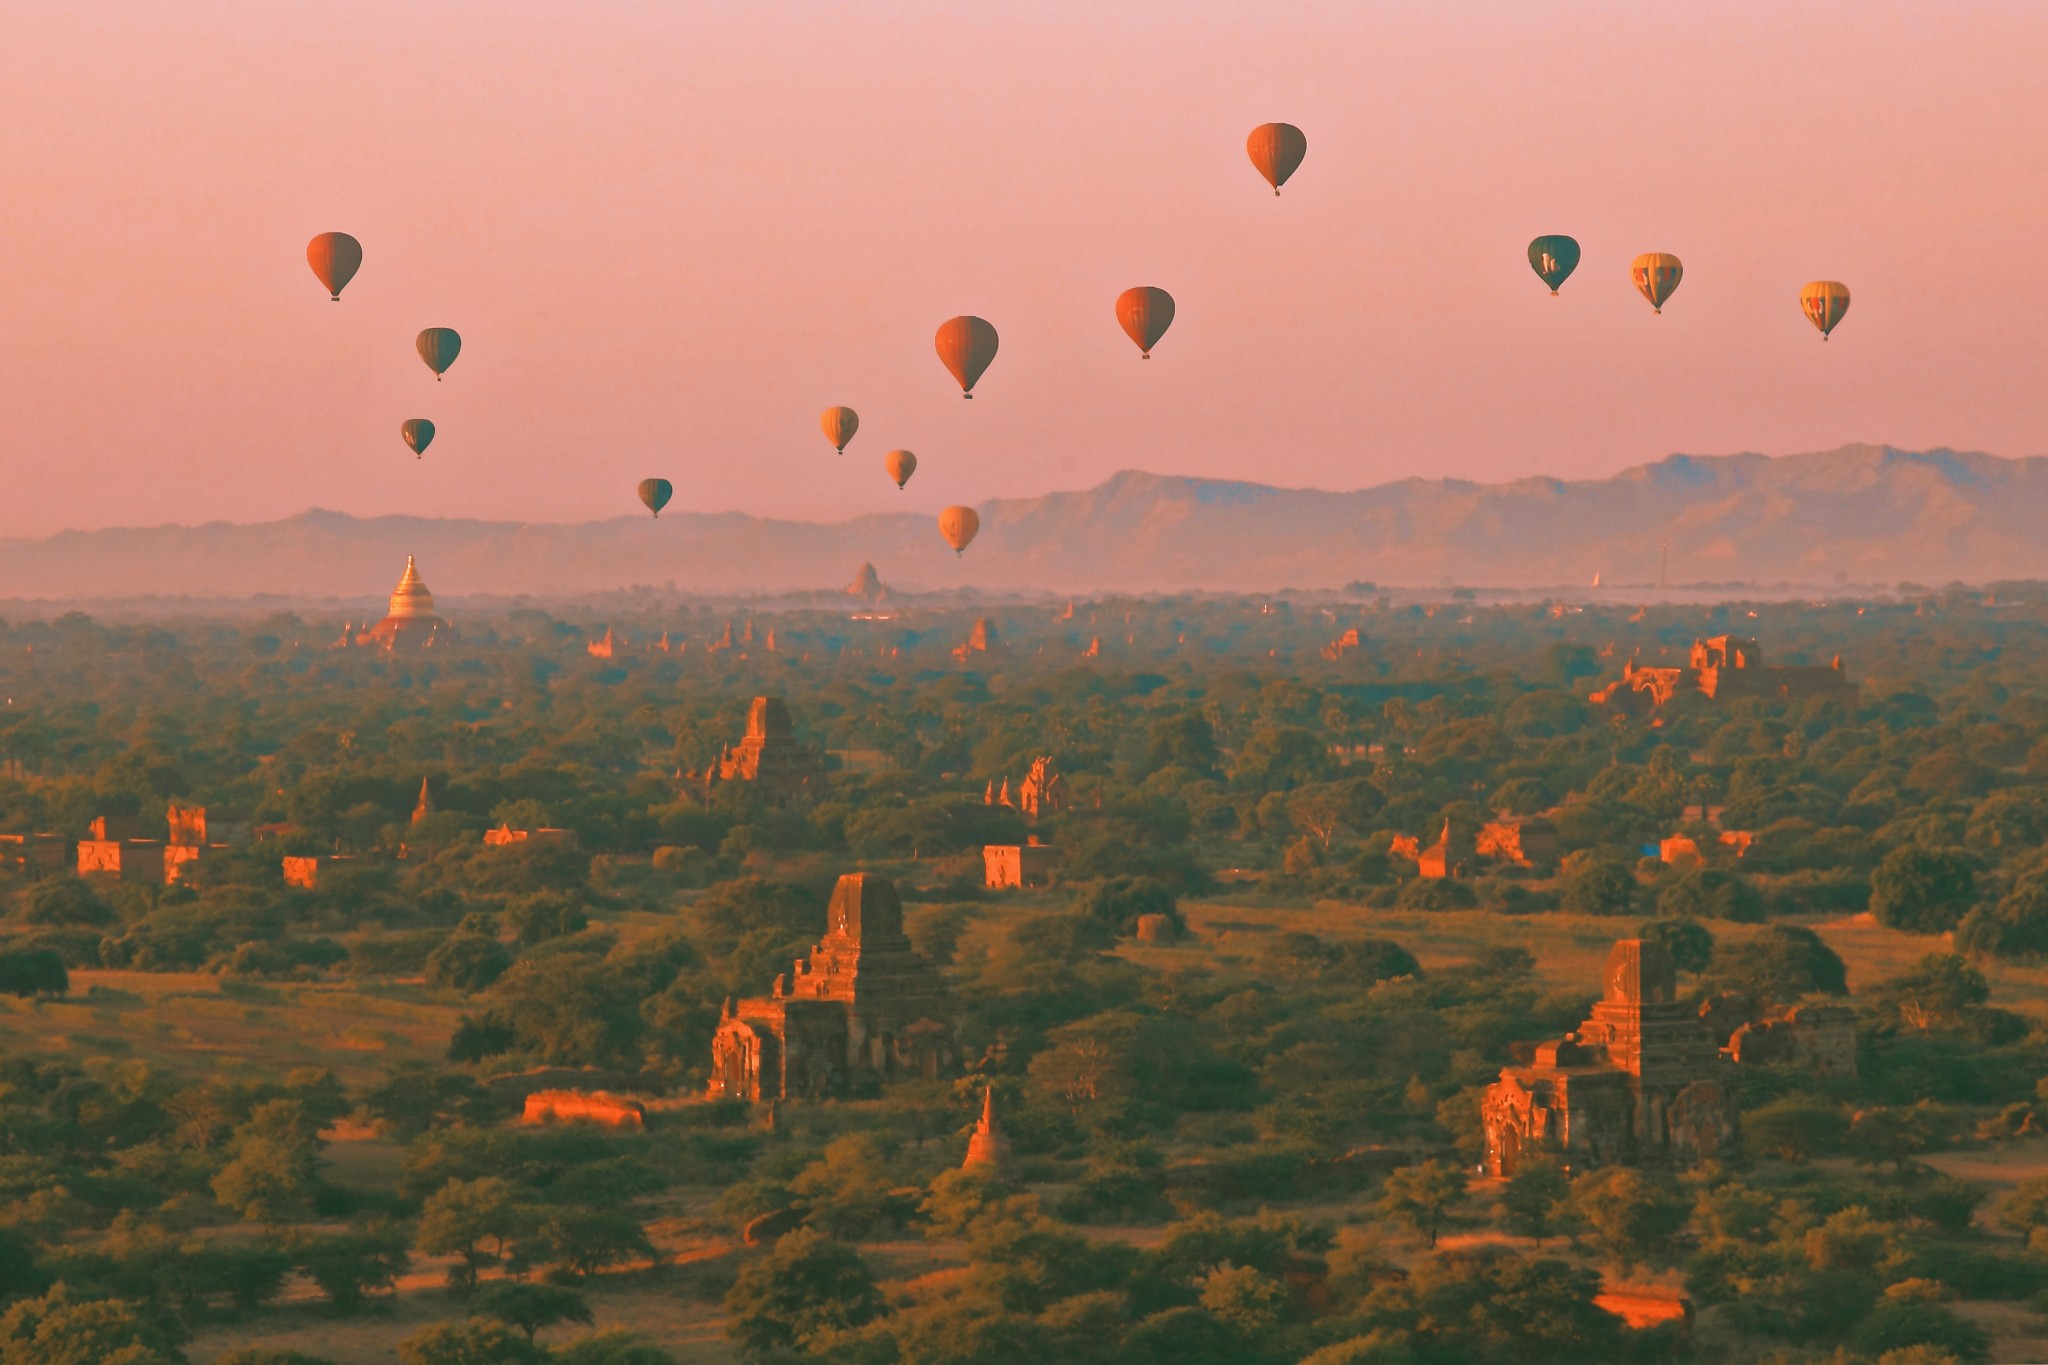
[1656,273]
[1276,149]
[958,525]
[1145,313]
[335,258]
[438,346]
[418,433]
[1824,302]
[901,464]
[839,425]
[656,493]
[966,346]
[1554,257]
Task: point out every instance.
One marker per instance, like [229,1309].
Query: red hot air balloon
[1276,149]
[1145,313]
[335,258]
[966,345]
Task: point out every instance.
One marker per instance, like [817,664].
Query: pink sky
[671,233]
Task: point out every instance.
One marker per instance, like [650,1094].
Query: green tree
[1597,883]
[1798,1127]
[467,962]
[806,1288]
[349,1267]
[275,1170]
[530,1307]
[463,1216]
[33,971]
[1690,943]
[1631,1215]
[1779,965]
[1425,1196]
[1531,1198]
[1711,893]
[1922,890]
[473,1343]
[53,1330]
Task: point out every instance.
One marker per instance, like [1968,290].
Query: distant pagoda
[988,1151]
[412,622]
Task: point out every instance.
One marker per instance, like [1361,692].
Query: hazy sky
[671,233]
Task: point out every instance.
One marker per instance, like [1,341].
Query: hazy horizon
[670,238]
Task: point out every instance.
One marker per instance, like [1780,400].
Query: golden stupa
[412,622]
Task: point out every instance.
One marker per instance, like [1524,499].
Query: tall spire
[988,1151]
[411,598]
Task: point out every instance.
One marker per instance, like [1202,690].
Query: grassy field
[1569,949]
[193,1024]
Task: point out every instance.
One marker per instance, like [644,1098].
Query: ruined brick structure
[1450,856]
[982,638]
[771,757]
[1725,668]
[863,1002]
[504,836]
[586,1106]
[1820,1039]
[1523,841]
[1018,865]
[1641,1080]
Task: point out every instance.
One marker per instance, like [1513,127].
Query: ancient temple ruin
[770,756]
[863,1003]
[1639,1081]
[1725,668]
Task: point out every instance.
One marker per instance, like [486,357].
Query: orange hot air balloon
[839,425]
[335,258]
[438,346]
[656,493]
[901,464]
[1145,313]
[1824,302]
[1657,274]
[966,345]
[1276,149]
[958,525]
[418,433]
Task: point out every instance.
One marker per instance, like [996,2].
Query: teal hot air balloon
[1554,258]
[656,493]
[418,433]
[439,346]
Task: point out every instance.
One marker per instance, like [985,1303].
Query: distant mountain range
[1862,514]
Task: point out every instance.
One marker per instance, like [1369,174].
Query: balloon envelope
[1145,313]
[438,346]
[1276,149]
[656,493]
[335,258]
[1824,302]
[418,433]
[901,464]
[966,345]
[839,425]
[958,525]
[1656,273]
[1554,258]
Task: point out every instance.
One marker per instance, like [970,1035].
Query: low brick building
[1019,865]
